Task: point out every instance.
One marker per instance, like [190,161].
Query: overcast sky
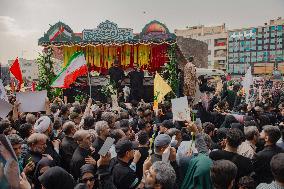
[23,22]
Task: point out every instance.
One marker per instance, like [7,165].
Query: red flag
[33,86]
[16,71]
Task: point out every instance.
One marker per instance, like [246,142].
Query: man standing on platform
[136,83]
[190,79]
[116,74]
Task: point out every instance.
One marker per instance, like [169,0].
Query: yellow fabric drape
[97,56]
[143,55]
[103,56]
[127,51]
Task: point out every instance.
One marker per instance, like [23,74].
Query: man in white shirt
[247,148]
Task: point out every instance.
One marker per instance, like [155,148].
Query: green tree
[170,72]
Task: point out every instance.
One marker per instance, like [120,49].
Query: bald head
[80,134]
[30,118]
[83,138]
[69,128]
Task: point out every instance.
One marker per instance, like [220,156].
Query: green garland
[46,74]
[170,70]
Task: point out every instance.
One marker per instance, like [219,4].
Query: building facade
[4,74]
[216,39]
[260,47]
[29,69]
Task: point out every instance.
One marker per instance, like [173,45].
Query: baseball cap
[124,145]
[162,140]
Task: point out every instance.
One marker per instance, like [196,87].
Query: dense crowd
[228,143]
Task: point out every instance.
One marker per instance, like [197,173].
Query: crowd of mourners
[229,143]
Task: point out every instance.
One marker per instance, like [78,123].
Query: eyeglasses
[91,179]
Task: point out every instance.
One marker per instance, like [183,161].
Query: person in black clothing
[161,144]
[116,74]
[68,145]
[233,140]
[143,148]
[42,166]
[103,131]
[203,87]
[123,172]
[82,154]
[57,178]
[261,164]
[223,174]
[44,125]
[136,83]
[36,148]
[88,176]
[145,126]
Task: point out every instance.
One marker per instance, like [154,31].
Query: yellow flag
[161,88]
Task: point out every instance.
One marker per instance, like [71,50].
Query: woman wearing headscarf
[88,176]
[56,178]
[43,165]
[101,180]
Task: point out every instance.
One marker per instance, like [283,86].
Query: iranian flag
[76,67]
[56,32]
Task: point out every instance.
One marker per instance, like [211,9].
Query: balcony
[220,47]
[220,58]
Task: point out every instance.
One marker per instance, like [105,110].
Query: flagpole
[89,80]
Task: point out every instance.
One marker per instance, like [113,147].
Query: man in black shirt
[68,145]
[103,132]
[233,140]
[116,74]
[123,173]
[136,83]
[144,151]
[261,163]
[82,154]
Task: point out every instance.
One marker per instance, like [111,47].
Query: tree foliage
[46,74]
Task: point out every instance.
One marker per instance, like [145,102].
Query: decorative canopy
[156,31]
[106,33]
[59,32]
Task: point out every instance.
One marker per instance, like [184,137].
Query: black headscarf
[87,168]
[43,163]
[57,178]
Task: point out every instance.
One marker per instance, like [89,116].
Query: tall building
[216,39]
[4,74]
[260,47]
[29,69]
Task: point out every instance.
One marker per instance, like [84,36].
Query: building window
[272,40]
[273,34]
[265,47]
[259,48]
[272,28]
[272,47]
[209,52]
[279,52]
[253,59]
